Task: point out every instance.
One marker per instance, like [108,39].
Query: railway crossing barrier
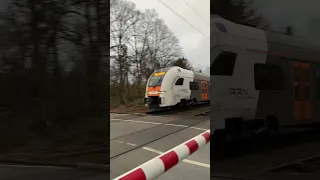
[162,163]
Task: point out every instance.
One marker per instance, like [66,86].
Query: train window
[306,93]
[180,82]
[318,88]
[297,74]
[306,75]
[194,85]
[268,77]
[223,65]
[297,93]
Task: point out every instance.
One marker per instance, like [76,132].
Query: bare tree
[183,63]
[140,43]
[123,17]
[239,11]
[162,45]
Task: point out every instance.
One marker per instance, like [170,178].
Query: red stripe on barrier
[169,160]
[192,145]
[135,175]
[206,136]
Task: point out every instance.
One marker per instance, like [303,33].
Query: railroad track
[272,155]
[179,110]
[201,113]
[222,152]
[307,167]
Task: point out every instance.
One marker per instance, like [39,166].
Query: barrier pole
[162,163]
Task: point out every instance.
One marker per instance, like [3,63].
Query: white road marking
[152,150]
[199,128]
[142,122]
[131,144]
[147,122]
[196,163]
[120,142]
[185,160]
[159,152]
[176,125]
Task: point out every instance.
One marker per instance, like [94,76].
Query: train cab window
[223,65]
[194,85]
[268,77]
[179,82]
[155,81]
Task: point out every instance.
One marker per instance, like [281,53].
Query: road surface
[136,139]
[21,172]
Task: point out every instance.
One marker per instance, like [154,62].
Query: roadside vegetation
[140,43]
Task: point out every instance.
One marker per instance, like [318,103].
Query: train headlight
[153,92]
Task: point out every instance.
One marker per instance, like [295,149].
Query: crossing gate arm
[162,163]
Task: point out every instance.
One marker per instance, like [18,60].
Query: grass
[134,106]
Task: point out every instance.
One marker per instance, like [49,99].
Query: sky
[195,45]
[302,15]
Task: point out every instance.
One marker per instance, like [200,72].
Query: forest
[54,71]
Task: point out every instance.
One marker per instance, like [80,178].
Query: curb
[82,166]
[162,163]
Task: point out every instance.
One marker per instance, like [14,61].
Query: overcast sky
[303,15]
[196,47]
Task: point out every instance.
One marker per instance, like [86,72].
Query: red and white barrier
[159,165]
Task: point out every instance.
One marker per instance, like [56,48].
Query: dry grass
[134,103]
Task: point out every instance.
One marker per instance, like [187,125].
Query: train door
[204,90]
[301,91]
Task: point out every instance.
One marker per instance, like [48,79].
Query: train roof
[198,75]
[297,46]
[292,41]
[202,76]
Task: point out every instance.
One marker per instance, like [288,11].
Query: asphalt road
[19,172]
[136,139]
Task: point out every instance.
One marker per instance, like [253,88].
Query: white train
[261,79]
[176,86]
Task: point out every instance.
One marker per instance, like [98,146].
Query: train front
[153,96]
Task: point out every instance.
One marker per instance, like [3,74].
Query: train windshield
[156,79]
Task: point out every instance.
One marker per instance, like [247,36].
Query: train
[261,79]
[175,86]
